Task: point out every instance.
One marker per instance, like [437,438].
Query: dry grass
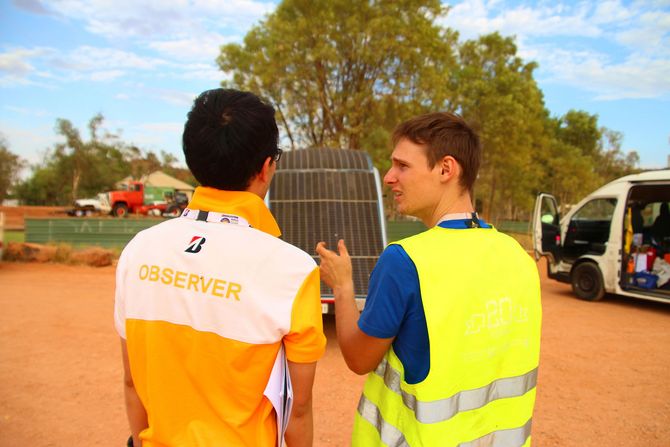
[60,253]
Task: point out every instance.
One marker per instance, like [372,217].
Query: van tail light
[558,239]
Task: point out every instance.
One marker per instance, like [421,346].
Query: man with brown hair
[450,332]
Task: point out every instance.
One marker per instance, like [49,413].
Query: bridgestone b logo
[195,245]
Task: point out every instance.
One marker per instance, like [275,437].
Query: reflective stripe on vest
[511,437]
[444,409]
[392,437]
[389,434]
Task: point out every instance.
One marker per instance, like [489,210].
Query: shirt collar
[240,203]
[461,221]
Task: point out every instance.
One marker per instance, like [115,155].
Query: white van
[604,242]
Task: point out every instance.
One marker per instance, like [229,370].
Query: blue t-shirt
[393,307]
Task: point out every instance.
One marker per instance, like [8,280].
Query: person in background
[450,332]
[212,307]
[660,230]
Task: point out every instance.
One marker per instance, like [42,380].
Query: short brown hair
[444,133]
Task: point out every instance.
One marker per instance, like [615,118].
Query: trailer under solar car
[327,195]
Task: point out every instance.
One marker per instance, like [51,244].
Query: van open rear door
[547,228]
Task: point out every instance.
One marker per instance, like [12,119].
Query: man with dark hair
[213,309]
[450,333]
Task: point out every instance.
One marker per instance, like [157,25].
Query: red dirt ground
[603,374]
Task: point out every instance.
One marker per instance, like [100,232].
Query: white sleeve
[120,295]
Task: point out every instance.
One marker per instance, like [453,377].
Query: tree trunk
[492,194]
[76,178]
[286,126]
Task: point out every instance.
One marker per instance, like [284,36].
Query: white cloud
[556,36]
[474,17]
[174,97]
[18,67]
[158,136]
[34,6]
[244,8]
[203,47]
[156,18]
[202,72]
[16,62]
[28,142]
[27,111]
[24,66]
[104,76]
[611,11]
[169,127]
[181,38]
[649,33]
[15,66]
[122,18]
[90,59]
[636,77]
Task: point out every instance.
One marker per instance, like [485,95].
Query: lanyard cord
[212,216]
[471,219]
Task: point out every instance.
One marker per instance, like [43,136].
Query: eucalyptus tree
[497,94]
[10,168]
[343,73]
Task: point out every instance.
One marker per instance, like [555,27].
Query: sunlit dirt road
[604,373]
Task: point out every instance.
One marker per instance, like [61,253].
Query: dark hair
[227,137]
[442,134]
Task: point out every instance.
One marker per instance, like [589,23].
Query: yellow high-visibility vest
[481,297]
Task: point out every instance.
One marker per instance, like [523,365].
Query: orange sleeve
[306,342]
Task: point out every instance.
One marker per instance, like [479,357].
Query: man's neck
[462,204]
[257,187]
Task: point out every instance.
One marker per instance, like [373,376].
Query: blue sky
[141,62]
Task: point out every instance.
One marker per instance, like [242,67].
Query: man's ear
[265,173]
[449,168]
[260,182]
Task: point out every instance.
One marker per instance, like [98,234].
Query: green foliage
[14,236]
[569,172]
[167,165]
[10,167]
[342,73]
[499,97]
[611,161]
[78,168]
[580,129]
[582,156]
[44,187]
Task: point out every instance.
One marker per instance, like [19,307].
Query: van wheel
[587,282]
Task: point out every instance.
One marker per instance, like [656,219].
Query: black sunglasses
[277,155]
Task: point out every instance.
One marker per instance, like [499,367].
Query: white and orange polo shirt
[204,307]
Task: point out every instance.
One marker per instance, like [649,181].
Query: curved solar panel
[331,194]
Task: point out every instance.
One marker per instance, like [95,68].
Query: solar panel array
[327,195]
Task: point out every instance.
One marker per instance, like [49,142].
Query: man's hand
[335,268]
[361,352]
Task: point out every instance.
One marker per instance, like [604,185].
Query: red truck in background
[138,199]
[142,199]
